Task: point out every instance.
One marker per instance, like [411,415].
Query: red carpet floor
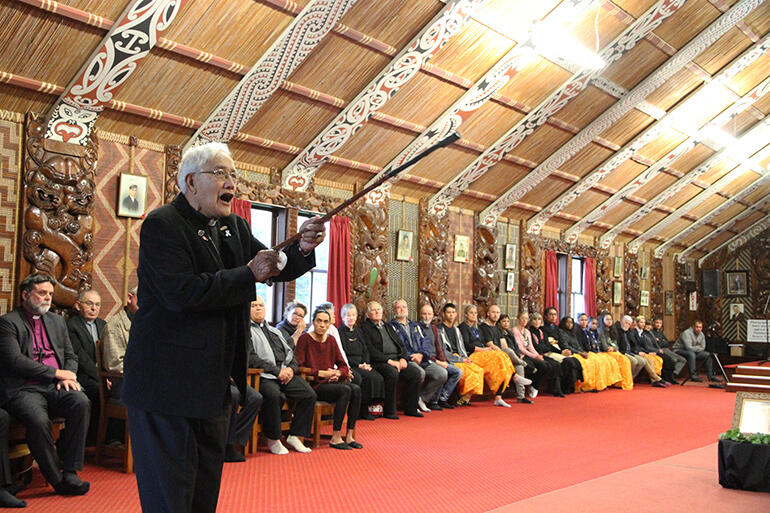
[466,460]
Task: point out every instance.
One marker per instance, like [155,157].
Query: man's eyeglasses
[90,304]
[220,174]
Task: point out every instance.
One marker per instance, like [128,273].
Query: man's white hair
[195,158]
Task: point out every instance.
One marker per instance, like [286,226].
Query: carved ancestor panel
[369,234]
[603,284]
[632,294]
[680,297]
[485,279]
[173,159]
[531,282]
[433,274]
[58,209]
[656,287]
[761,286]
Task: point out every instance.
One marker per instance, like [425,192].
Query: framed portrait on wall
[462,248]
[689,270]
[644,298]
[510,279]
[644,273]
[736,309]
[693,301]
[510,256]
[132,195]
[669,302]
[618,270]
[617,292]
[737,283]
[404,251]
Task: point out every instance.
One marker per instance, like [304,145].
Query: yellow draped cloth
[657,362]
[599,372]
[498,368]
[472,380]
[624,365]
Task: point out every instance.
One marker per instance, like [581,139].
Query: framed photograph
[736,309]
[509,282]
[689,270]
[404,250]
[618,270]
[737,283]
[617,293]
[644,299]
[462,248]
[132,195]
[752,412]
[644,272]
[510,256]
[669,302]
[693,301]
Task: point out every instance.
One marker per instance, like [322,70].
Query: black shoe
[713,379]
[341,446]
[391,416]
[659,384]
[673,381]
[524,400]
[559,395]
[232,455]
[366,416]
[9,501]
[414,413]
[435,406]
[66,487]
[696,379]
[446,405]
[355,445]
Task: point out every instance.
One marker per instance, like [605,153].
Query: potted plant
[744,460]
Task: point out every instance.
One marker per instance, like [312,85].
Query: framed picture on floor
[404,251]
[617,293]
[752,412]
[644,298]
[618,270]
[669,302]
[510,256]
[737,283]
[510,279]
[462,248]
[132,195]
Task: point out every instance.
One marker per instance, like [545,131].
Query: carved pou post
[433,276]
[485,279]
[57,236]
[369,233]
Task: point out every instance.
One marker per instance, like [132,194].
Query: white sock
[295,443]
[499,402]
[276,447]
[521,380]
[421,405]
[533,391]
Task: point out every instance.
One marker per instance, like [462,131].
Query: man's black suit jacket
[84,347]
[371,336]
[17,364]
[190,334]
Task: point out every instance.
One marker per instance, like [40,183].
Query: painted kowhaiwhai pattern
[606,240]
[703,40]
[402,69]
[748,57]
[129,41]
[500,74]
[734,242]
[304,34]
[550,107]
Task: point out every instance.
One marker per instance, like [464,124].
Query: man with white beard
[38,380]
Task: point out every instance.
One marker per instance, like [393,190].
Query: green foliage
[752,438]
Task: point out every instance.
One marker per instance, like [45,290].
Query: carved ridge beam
[550,106]
[675,63]
[72,117]
[452,118]
[297,41]
[736,241]
[672,190]
[535,224]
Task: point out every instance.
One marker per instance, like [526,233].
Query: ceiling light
[555,43]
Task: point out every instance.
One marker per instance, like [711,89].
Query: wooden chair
[18,449]
[111,408]
[252,379]
[323,413]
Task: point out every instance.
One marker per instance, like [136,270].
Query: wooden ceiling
[639,151]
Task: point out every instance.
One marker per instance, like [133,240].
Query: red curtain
[242,208]
[551,280]
[338,284]
[589,287]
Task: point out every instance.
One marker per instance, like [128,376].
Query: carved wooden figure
[369,240]
[485,279]
[433,273]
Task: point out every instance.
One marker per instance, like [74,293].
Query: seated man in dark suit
[85,329]
[38,381]
[389,356]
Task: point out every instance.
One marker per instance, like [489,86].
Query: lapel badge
[226,229]
[202,235]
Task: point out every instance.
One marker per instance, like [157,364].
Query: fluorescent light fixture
[737,149]
[553,41]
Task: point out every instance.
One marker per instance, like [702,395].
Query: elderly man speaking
[198,264]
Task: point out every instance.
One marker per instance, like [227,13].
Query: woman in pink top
[545,368]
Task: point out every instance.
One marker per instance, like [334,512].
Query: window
[577,298]
[311,286]
[563,266]
[263,228]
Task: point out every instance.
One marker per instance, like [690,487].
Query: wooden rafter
[550,106]
[732,243]
[72,117]
[675,63]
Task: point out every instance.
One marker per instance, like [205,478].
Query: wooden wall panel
[10,182]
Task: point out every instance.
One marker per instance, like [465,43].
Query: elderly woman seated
[318,351]
[371,382]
